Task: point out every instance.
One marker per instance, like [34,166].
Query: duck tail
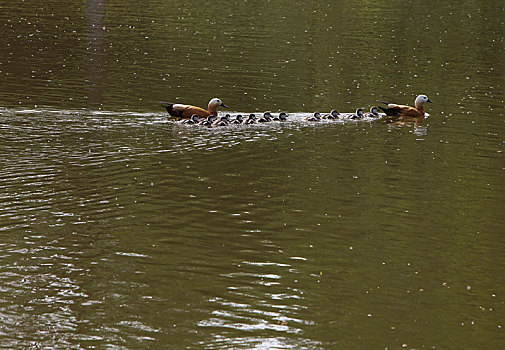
[168,106]
[386,103]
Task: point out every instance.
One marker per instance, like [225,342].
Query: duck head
[359,112]
[283,116]
[195,118]
[215,102]
[374,110]
[334,113]
[421,99]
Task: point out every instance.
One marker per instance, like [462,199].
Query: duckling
[280,118]
[316,117]
[238,119]
[357,115]
[332,116]
[374,113]
[251,119]
[221,121]
[182,111]
[208,121]
[195,119]
[407,111]
[267,117]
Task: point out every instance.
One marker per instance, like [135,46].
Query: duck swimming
[358,115]
[207,121]
[332,116]
[283,116]
[374,112]
[407,111]
[267,117]
[251,119]
[182,111]
[222,121]
[238,119]
[316,117]
[195,119]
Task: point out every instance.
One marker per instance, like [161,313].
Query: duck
[195,119]
[207,121]
[281,117]
[182,111]
[222,121]
[374,112]
[238,119]
[407,111]
[267,117]
[358,115]
[332,116]
[315,117]
[251,119]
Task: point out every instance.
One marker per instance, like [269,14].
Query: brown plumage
[182,111]
[406,111]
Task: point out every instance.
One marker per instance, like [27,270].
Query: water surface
[122,229]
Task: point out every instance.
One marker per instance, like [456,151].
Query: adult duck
[407,111]
[182,111]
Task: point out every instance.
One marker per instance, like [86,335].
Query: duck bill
[223,105]
[429,101]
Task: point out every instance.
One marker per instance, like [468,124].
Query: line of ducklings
[334,115]
[227,119]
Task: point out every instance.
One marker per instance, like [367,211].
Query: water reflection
[96,52]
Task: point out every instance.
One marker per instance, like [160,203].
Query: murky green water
[120,229]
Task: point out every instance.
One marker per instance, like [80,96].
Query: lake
[123,229]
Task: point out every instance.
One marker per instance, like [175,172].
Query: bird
[208,121]
[407,111]
[267,117]
[283,116]
[357,115]
[251,119]
[238,119]
[374,113]
[332,116]
[315,117]
[182,111]
[222,121]
[195,119]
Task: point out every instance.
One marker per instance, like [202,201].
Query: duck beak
[222,104]
[429,101]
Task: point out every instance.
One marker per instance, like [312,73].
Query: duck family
[192,115]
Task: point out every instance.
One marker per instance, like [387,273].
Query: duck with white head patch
[395,110]
[182,111]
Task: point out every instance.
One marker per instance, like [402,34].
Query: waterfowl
[251,119]
[283,116]
[208,121]
[195,119]
[314,117]
[267,117]
[358,115]
[181,111]
[406,111]
[221,121]
[332,116]
[374,113]
[238,119]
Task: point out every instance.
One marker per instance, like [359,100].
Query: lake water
[122,229]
